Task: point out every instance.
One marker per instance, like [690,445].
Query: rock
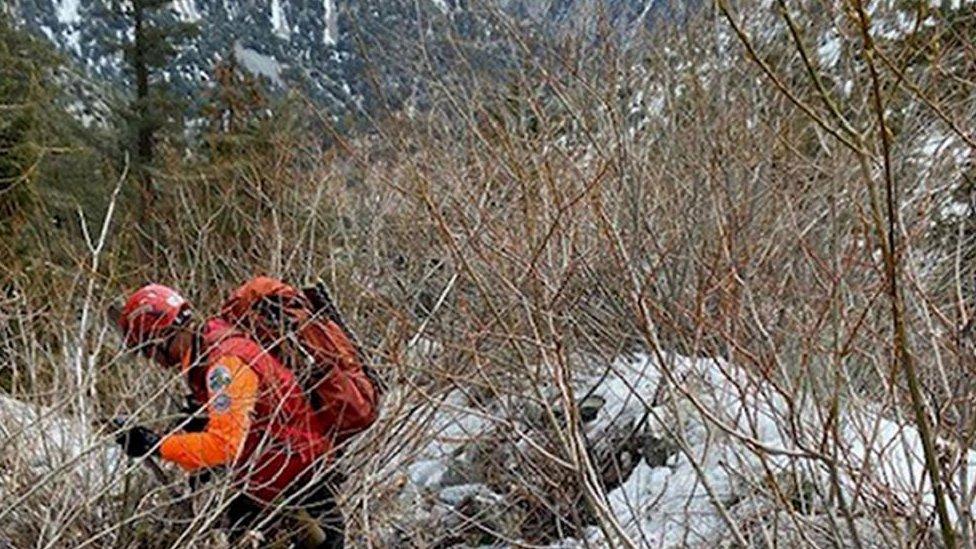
[590,407]
[657,451]
[457,495]
[428,473]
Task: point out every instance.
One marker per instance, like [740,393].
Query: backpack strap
[322,304]
[304,330]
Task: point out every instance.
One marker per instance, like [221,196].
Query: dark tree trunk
[144,134]
[144,126]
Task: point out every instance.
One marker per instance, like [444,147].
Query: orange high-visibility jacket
[261,423]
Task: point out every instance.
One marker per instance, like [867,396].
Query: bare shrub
[716,191]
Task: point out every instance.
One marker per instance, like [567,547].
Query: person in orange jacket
[260,423]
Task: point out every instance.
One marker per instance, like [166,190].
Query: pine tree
[26,93]
[235,108]
[50,164]
[155,38]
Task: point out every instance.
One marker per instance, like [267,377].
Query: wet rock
[590,407]
[657,450]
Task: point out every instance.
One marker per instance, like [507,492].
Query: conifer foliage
[153,41]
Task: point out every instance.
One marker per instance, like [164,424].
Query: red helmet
[150,311]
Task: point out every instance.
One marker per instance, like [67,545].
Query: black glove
[138,441]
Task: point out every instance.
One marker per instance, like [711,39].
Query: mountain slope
[322,48]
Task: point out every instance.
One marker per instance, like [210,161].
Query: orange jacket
[232,389]
[260,421]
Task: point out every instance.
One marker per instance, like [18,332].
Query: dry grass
[678,193]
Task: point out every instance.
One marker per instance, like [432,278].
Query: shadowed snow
[733,433]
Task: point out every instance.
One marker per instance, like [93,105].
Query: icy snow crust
[670,506]
[733,429]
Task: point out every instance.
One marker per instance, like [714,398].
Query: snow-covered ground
[732,439]
[49,443]
[738,431]
[721,459]
[49,456]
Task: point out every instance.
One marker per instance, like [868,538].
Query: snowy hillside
[704,463]
[314,46]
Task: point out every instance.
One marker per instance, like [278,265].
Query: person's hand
[137,441]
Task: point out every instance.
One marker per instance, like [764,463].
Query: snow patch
[45,443]
[72,39]
[67,12]
[330,31]
[829,50]
[938,148]
[279,22]
[954,208]
[258,63]
[848,87]
[893,27]
[187,10]
[454,428]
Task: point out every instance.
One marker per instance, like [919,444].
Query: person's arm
[232,389]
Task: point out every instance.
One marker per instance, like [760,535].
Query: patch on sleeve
[218,378]
[221,403]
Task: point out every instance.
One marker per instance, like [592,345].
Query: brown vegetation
[718,191]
